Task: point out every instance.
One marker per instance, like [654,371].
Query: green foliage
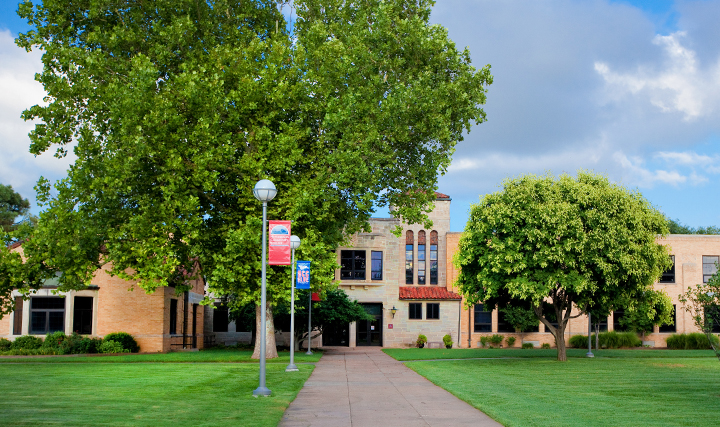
[545,345]
[12,205]
[421,340]
[693,341]
[676,227]
[78,344]
[571,241]
[447,340]
[510,341]
[703,304]
[484,340]
[42,351]
[527,345]
[27,342]
[642,315]
[496,339]
[578,341]
[521,318]
[125,339]
[614,339]
[5,344]
[112,347]
[176,109]
[54,340]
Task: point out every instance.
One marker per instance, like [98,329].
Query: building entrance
[369,332]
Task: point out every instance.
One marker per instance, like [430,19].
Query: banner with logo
[302,281]
[279,242]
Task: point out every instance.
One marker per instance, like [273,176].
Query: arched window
[409,244]
[421,257]
[433,257]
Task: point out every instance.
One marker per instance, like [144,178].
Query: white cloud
[682,85]
[688,158]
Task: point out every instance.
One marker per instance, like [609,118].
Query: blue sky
[626,88]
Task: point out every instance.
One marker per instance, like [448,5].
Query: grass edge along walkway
[409,354]
[146,393]
[624,389]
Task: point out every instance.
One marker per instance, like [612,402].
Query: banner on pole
[302,281]
[279,242]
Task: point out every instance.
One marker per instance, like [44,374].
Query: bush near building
[694,341]
[58,343]
[610,339]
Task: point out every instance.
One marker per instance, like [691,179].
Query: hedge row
[59,343]
[610,339]
[694,341]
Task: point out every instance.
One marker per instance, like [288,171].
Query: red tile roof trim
[441,196]
[433,293]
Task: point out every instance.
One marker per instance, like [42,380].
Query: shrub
[694,341]
[54,340]
[5,344]
[27,342]
[614,339]
[447,340]
[78,344]
[545,345]
[128,342]
[527,345]
[484,340]
[112,347]
[42,351]
[510,341]
[421,341]
[578,341]
[496,339]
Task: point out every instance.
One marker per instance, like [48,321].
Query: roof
[441,196]
[431,292]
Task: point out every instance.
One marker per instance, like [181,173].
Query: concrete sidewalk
[363,386]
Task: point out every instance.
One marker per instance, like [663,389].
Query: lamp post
[264,191]
[309,352]
[294,244]
[589,353]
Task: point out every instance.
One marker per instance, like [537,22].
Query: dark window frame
[83,316]
[617,315]
[173,316]
[353,257]
[479,313]
[18,316]
[376,271]
[47,315]
[672,328]
[415,311]
[432,311]
[711,266]
[221,315]
[503,326]
[669,275]
[421,264]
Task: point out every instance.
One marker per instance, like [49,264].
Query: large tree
[12,205]
[703,304]
[566,241]
[175,108]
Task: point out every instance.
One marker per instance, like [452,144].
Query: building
[159,322]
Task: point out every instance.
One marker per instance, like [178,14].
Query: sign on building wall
[302,281]
[279,253]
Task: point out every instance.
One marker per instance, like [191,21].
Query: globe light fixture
[294,244]
[264,190]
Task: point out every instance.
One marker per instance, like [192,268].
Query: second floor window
[709,267]
[433,258]
[421,258]
[483,319]
[669,276]
[376,266]
[352,265]
[409,245]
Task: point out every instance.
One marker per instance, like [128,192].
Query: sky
[629,89]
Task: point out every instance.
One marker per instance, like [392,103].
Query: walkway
[365,387]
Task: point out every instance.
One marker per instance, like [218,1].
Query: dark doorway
[369,332]
[336,335]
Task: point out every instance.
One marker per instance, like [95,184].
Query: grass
[168,389]
[465,353]
[618,388]
[230,355]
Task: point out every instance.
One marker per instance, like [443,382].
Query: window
[617,316]
[352,265]
[415,310]
[709,267]
[173,316]
[483,319]
[503,325]
[409,243]
[670,327]
[421,258]
[432,311]
[602,324]
[712,314]
[376,265]
[17,324]
[83,315]
[47,315]
[669,276]
[220,318]
[433,258]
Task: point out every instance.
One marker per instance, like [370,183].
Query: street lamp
[264,191]
[294,244]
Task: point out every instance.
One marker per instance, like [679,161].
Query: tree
[642,316]
[522,319]
[703,303]
[676,227]
[566,241]
[179,107]
[12,205]
[334,310]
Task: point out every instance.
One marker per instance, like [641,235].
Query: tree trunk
[270,347]
[560,342]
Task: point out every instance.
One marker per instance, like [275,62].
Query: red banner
[279,242]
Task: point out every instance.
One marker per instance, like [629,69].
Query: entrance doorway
[369,332]
[336,335]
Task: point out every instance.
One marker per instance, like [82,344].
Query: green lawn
[465,353]
[624,388]
[168,390]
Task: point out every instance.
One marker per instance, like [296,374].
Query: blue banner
[302,281]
